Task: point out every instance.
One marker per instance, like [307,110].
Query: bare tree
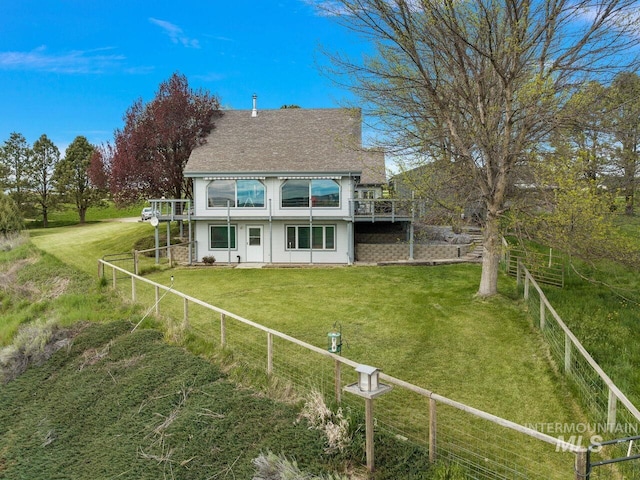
[484,77]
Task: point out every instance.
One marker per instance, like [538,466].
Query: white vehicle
[148,212]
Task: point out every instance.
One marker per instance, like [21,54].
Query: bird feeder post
[368,387]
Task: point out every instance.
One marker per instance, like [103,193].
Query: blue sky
[73,67]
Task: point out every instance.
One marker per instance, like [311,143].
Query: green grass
[67,214]
[37,286]
[601,305]
[80,246]
[605,319]
[421,324]
[122,405]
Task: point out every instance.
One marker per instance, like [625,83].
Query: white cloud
[175,33]
[73,62]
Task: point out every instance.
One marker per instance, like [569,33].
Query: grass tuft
[34,344]
[270,466]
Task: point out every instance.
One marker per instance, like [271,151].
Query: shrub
[10,217]
[210,260]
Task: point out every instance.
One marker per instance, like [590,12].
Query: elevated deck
[169,210]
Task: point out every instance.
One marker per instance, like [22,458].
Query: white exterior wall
[274,248]
[272,202]
[273,232]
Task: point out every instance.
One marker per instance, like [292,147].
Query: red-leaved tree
[149,154]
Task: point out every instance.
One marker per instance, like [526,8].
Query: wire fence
[482,445]
[612,414]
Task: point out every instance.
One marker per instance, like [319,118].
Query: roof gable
[287,141]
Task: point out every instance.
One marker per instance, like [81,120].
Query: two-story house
[283,186]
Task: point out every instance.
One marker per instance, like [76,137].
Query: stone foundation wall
[400,252]
[180,254]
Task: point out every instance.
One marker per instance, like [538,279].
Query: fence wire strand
[258,357]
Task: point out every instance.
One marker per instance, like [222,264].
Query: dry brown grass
[34,344]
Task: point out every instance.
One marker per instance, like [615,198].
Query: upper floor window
[315,193]
[236,193]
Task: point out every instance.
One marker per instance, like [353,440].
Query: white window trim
[236,206]
[311,179]
[324,237]
[225,225]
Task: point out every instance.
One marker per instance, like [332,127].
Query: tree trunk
[82,212]
[490,257]
[630,192]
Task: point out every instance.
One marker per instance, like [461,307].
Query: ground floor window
[222,236]
[318,237]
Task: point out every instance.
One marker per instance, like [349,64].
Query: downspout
[228,232]
[190,248]
[270,232]
[310,231]
[351,235]
[411,232]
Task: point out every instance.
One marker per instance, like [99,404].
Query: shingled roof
[287,141]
